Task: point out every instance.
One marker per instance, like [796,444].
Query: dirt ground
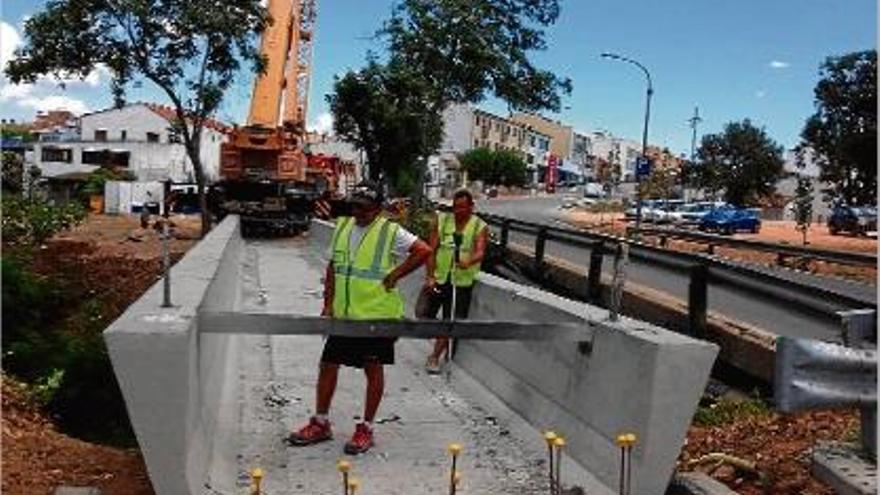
[782,232]
[115,254]
[116,259]
[779,445]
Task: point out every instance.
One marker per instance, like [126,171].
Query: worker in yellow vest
[360,284]
[440,278]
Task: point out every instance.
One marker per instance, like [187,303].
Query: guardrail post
[698,299]
[859,327]
[505,233]
[594,276]
[710,249]
[662,241]
[621,261]
[540,241]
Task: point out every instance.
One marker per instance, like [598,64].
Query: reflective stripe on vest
[359,271]
[446,249]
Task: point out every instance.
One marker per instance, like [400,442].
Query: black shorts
[358,351]
[441,297]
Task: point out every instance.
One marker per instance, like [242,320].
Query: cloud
[46,93]
[54,102]
[778,64]
[760,94]
[323,124]
[9,41]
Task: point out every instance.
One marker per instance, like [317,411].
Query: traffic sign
[643,167]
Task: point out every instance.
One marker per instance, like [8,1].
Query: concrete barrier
[625,376]
[174,381]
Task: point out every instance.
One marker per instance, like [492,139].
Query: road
[757,310]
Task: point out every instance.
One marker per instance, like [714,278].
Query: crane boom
[266,175]
[287,46]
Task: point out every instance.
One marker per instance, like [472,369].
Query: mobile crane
[267,176]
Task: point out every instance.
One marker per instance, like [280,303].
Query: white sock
[322,418]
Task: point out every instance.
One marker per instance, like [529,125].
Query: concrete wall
[171,376]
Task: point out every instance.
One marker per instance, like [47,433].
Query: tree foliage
[28,221]
[742,161]
[441,52]
[468,48]
[13,173]
[191,49]
[843,131]
[381,110]
[803,205]
[504,167]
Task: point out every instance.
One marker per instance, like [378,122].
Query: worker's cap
[367,192]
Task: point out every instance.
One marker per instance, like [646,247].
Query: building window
[57,155]
[123,135]
[100,134]
[174,137]
[105,158]
[152,137]
[476,143]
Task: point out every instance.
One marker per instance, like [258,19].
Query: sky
[734,59]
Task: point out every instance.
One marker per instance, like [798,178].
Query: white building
[619,152]
[137,137]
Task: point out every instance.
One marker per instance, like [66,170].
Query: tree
[191,49]
[503,167]
[442,52]
[466,48]
[803,205]
[742,161]
[381,110]
[13,173]
[843,131]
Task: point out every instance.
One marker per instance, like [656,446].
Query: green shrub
[29,221]
[726,411]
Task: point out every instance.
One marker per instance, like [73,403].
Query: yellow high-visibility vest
[446,249]
[359,271]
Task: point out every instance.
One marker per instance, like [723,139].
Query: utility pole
[693,122]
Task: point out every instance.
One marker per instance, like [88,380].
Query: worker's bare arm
[419,252]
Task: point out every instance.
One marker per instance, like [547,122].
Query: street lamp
[650,91]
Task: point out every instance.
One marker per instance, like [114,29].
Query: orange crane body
[264,160]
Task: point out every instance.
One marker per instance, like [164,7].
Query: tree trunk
[192,149]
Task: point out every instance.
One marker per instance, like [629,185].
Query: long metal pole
[650,91]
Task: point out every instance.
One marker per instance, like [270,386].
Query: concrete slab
[845,468]
[697,484]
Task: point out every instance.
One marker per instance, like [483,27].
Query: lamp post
[650,91]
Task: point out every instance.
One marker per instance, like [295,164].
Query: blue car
[727,220]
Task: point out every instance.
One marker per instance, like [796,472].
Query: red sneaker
[315,432]
[361,441]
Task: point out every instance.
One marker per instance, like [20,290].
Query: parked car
[729,219]
[664,209]
[692,213]
[647,204]
[858,220]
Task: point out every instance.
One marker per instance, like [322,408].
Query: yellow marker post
[343,466]
[353,485]
[257,481]
[626,442]
[454,449]
[550,437]
[558,443]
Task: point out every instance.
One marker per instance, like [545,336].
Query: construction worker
[359,284]
[440,278]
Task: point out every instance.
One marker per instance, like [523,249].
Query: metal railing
[700,269]
[782,251]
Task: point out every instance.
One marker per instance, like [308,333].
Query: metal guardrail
[812,375]
[781,250]
[701,269]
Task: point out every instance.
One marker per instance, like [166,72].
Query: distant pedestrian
[440,278]
[360,284]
